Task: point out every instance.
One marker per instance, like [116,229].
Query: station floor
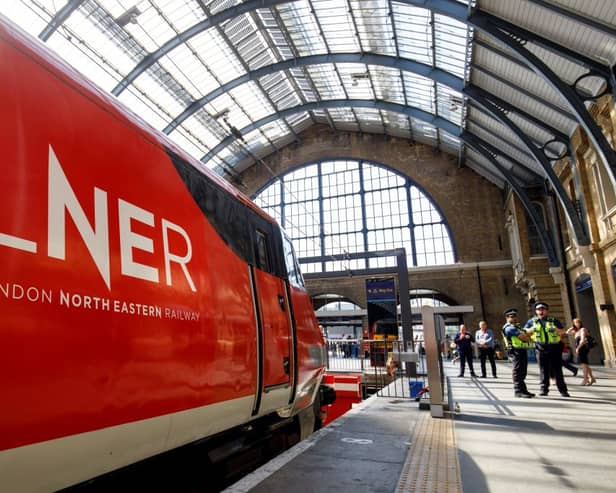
[494,443]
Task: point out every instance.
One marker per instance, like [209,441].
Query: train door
[275,328]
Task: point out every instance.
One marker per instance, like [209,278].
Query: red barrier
[348,392]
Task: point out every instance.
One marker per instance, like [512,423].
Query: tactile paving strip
[432,461]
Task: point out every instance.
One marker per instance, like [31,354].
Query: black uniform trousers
[487,352]
[519,359]
[551,364]
[466,356]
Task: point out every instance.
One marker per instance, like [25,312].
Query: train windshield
[295,275]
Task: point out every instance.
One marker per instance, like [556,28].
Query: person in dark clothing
[582,348]
[485,342]
[517,342]
[464,340]
[546,334]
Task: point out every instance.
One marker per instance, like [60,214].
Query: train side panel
[309,345]
[138,313]
[120,303]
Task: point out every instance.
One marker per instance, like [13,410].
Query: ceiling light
[128,17]
[221,114]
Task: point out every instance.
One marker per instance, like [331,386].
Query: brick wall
[473,207]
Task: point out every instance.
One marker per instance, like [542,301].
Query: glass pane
[359,202]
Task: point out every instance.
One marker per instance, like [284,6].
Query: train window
[295,275]
[262,259]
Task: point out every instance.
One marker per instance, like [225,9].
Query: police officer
[546,334]
[518,341]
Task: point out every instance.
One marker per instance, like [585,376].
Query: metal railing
[347,355]
[369,357]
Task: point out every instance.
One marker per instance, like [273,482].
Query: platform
[495,443]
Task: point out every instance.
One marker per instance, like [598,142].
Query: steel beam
[451,8]
[479,19]
[546,239]
[472,92]
[183,37]
[383,105]
[482,19]
[493,26]
[570,96]
[497,138]
[402,64]
[58,19]
[579,229]
[448,7]
[528,94]
[429,118]
[498,152]
[558,135]
[514,38]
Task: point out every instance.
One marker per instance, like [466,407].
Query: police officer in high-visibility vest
[518,342]
[546,334]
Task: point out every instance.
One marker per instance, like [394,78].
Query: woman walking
[582,348]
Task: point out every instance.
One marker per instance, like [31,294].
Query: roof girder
[579,229]
[438,75]
[527,93]
[385,60]
[497,28]
[57,20]
[568,93]
[546,239]
[416,113]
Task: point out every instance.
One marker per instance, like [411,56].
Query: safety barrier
[348,392]
[380,363]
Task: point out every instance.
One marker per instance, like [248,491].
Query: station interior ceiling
[502,85]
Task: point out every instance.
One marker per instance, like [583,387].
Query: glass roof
[233,81]
[106,40]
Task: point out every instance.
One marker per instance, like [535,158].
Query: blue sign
[380,289]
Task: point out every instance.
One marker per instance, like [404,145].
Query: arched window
[419,302]
[337,306]
[349,206]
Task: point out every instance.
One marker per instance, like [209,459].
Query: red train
[145,303]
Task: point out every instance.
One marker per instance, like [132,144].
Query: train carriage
[145,302]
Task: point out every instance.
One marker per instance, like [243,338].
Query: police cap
[541,304]
[511,312]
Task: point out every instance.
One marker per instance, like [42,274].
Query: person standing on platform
[484,338]
[464,340]
[518,342]
[546,335]
[582,348]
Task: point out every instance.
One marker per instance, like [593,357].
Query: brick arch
[471,205]
[318,303]
[441,296]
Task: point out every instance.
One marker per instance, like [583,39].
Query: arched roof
[503,84]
